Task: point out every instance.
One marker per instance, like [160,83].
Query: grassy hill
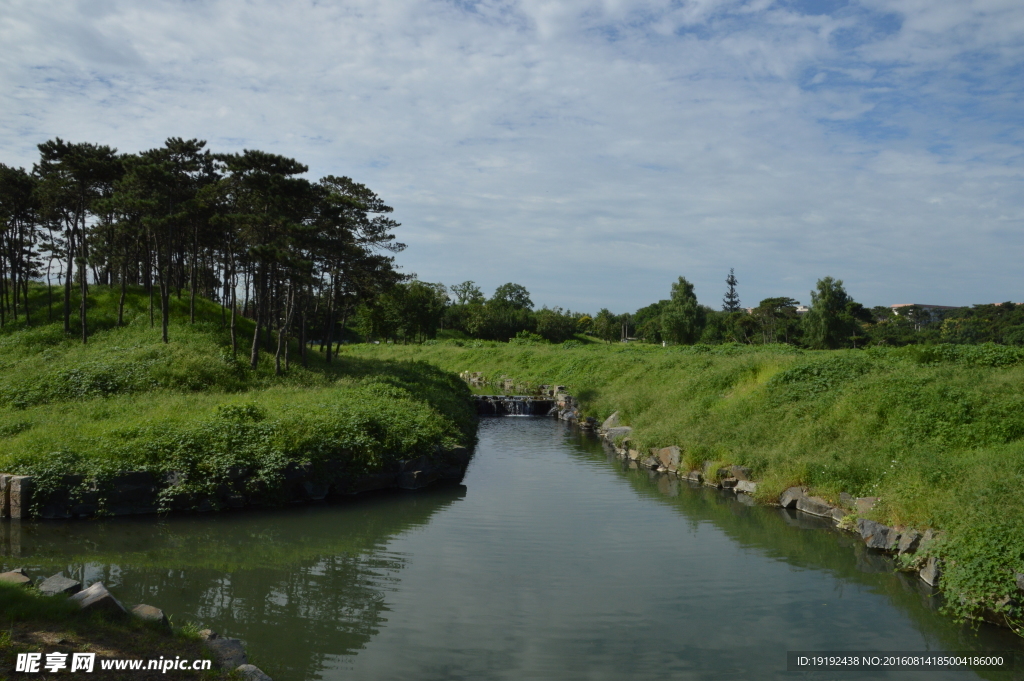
[937,433]
[125,401]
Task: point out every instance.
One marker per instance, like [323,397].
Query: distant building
[931,308]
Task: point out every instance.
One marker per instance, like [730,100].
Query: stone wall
[140,492]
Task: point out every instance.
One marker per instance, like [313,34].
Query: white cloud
[591,150]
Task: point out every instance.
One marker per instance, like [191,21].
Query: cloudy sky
[590,150]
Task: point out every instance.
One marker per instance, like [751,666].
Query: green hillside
[127,401]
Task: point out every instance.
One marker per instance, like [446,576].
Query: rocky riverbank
[25,497]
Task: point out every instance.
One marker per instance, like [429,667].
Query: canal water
[550,561]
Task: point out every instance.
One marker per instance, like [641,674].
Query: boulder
[650,462]
[228,653]
[739,472]
[909,541]
[97,599]
[878,536]
[789,498]
[864,504]
[5,499]
[619,431]
[611,422]
[251,672]
[148,613]
[815,506]
[633,454]
[16,577]
[19,496]
[746,486]
[694,476]
[1019,578]
[931,571]
[838,514]
[846,501]
[668,457]
[728,483]
[59,584]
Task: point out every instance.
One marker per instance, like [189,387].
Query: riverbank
[934,435]
[127,424]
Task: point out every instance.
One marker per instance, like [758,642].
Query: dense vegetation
[187,408]
[936,432]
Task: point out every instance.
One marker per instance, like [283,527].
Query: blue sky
[590,150]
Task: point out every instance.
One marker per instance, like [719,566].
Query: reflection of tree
[299,585]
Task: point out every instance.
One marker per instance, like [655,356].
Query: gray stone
[97,599]
[251,672]
[633,454]
[668,457]
[909,542]
[619,431]
[1019,578]
[815,506]
[416,479]
[846,501]
[149,613]
[5,495]
[650,462]
[208,635]
[694,476]
[746,486]
[789,498]
[838,514]
[16,577]
[228,653]
[878,536]
[864,504]
[19,494]
[728,483]
[59,584]
[931,571]
[739,472]
[611,422]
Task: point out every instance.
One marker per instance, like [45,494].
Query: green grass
[937,433]
[126,401]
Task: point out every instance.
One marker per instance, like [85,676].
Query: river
[550,561]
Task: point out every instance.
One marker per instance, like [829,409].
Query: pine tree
[731,302]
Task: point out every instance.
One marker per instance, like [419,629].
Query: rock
[148,613]
[931,571]
[909,541]
[16,577]
[633,454]
[789,498]
[97,599]
[864,504]
[611,422]
[846,501]
[208,635]
[838,514]
[694,476]
[5,498]
[728,483]
[746,486]
[650,462]
[59,584]
[878,536]
[251,672]
[739,472]
[416,479]
[19,496]
[815,506]
[228,653]
[619,431]
[668,457]
[1019,578]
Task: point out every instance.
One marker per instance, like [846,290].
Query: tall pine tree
[731,302]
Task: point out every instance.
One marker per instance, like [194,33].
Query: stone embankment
[908,543]
[227,653]
[143,492]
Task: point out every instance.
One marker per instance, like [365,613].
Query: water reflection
[297,585]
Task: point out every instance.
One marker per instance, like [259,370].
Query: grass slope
[127,401]
[936,432]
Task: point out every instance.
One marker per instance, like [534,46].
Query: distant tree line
[301,255]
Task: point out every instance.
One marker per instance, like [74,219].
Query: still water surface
[549,562]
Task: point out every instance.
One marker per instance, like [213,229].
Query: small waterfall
[512,405]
